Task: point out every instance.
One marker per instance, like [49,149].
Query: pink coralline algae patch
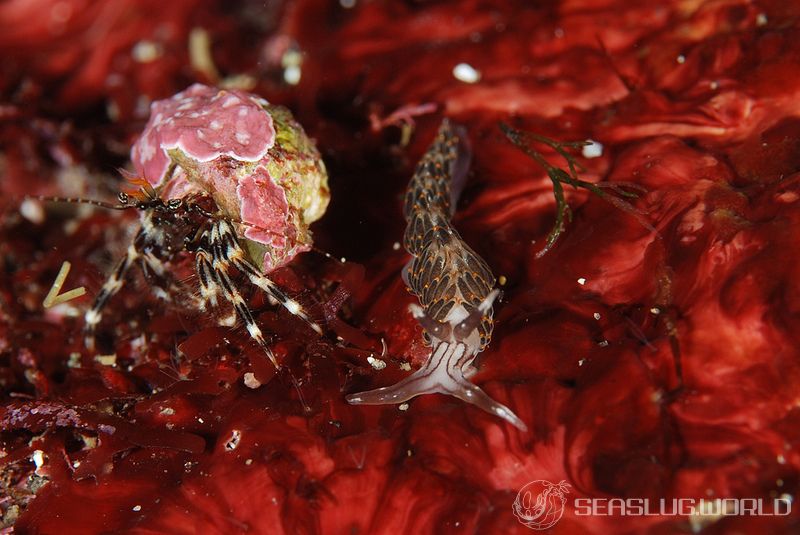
[204,124]
[263,200]
[251,157]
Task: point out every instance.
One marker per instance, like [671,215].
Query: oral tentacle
[441,374]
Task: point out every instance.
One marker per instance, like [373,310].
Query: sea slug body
[454,285]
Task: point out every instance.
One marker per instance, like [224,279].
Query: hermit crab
[231,178]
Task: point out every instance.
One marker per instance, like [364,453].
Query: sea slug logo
[540,504]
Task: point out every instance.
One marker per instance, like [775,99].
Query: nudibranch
[454,285]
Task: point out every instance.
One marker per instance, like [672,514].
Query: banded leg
[227,248]
[205,273]
[111,287]
[216,280]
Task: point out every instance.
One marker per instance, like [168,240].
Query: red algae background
[646,364]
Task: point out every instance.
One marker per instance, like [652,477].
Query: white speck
[250,380]
[655,311]
[581,362]
[582,281]
[681,59]
[378,364]
[248,462]
[593,149]
[76,464]
[200,420]
[292,74]
[396,246]
[344,260]
[137,508]
[32,210]
[596,315]
[403,407]
[105,360]
[406,367]
[291,62]
[761,19]
[781,459]
[604,343]
[167,411]
[243,137]
[146,51]
[714,85]
[215,125]
[347,4]
[230,101]
[464,72]
[74,360]
[233,442]
[38,458]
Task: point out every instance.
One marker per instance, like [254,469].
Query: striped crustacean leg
[232,251]
[148,236]
[212,270]
[111,287]
[454,285]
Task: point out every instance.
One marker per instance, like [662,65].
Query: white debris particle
[76,464]
[593,149]
[54,296]
[714,85]
[248,462]
[343,260]
[378,364]
[167,411]
[596,315]
[74,360]
[761,19]
[107,360]
[292,74]
[781,459]
[38,458]
[146,51]
[233,442]
[582,281]
[604,343]
[291,62]
[403,407]
[347,4]
[32,210]
[405,366]
[681,59]
[250,380]
[137,508]
[396,246]
[581,362]
[200,420]
[655,310]
[464,72]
